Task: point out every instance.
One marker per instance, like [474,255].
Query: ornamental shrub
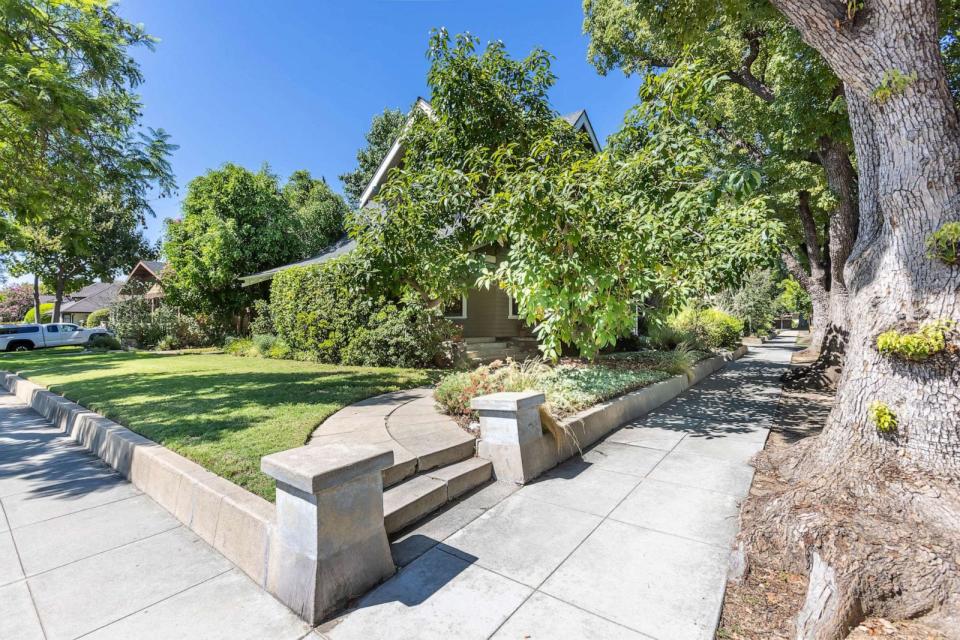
[46,313]
[98,317]
[238,346]
[104,343]
[262,323]
[709,328]
[316,309]
[263,343]
[667,338]
[401,335]
[14,302]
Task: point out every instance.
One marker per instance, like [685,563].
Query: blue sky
[295,83]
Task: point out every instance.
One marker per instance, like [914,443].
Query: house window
[456,309]
[514,310]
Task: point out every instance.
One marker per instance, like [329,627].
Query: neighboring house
[484,314]
[147,274]
[98,295]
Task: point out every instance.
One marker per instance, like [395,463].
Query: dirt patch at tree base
[765,601]
[764,604]
[880,629]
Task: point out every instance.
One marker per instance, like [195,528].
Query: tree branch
[744,76]
[809,229]
[753,150]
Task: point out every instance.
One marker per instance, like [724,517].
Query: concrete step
[490,356]
[479,340]
[415,453]
[423,494]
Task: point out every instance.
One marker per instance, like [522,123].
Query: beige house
[486,315]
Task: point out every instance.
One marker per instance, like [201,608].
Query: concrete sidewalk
[83,553]
[631,541]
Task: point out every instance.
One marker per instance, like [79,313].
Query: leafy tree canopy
[93,243]
[320,212]
[587,236]
[68,115]
[236,222]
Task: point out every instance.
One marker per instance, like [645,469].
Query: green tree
[794,298]
[235,222]
[68,252]
[765,76]
[489,168]
[319,211]
[421,233]
[384,131]
[68,114]
[756,301]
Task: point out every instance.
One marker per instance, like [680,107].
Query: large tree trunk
[829,340]
[58,302]
[844,220]
[36,299]
[813,284]
[877,517]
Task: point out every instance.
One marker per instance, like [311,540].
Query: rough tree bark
[876,518]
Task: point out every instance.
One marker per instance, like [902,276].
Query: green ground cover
[221,411]
[570,386]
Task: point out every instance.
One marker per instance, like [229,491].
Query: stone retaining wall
[512,439]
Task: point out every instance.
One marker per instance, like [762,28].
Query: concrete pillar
[511,436]
[329,543]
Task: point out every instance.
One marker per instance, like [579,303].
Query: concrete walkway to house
[83,553]
[406,422]
[631,541]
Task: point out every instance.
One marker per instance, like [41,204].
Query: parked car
[24,337]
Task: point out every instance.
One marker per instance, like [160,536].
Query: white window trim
[463,297]
[510,315]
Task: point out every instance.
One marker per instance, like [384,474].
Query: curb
[232,520]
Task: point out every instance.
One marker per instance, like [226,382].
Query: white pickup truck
[24,337]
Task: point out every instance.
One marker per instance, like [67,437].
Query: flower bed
[570,386]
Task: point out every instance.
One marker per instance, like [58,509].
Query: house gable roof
[152,268]
[578,120]
[104,296]
[394,155]
[341,247]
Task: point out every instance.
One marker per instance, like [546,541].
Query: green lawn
[223,412]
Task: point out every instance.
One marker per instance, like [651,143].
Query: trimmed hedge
[317,308]
[709,328]
[98,317]
[46,313]
[322,312]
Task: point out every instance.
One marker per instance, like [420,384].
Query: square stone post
[329,544]
[511,436]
